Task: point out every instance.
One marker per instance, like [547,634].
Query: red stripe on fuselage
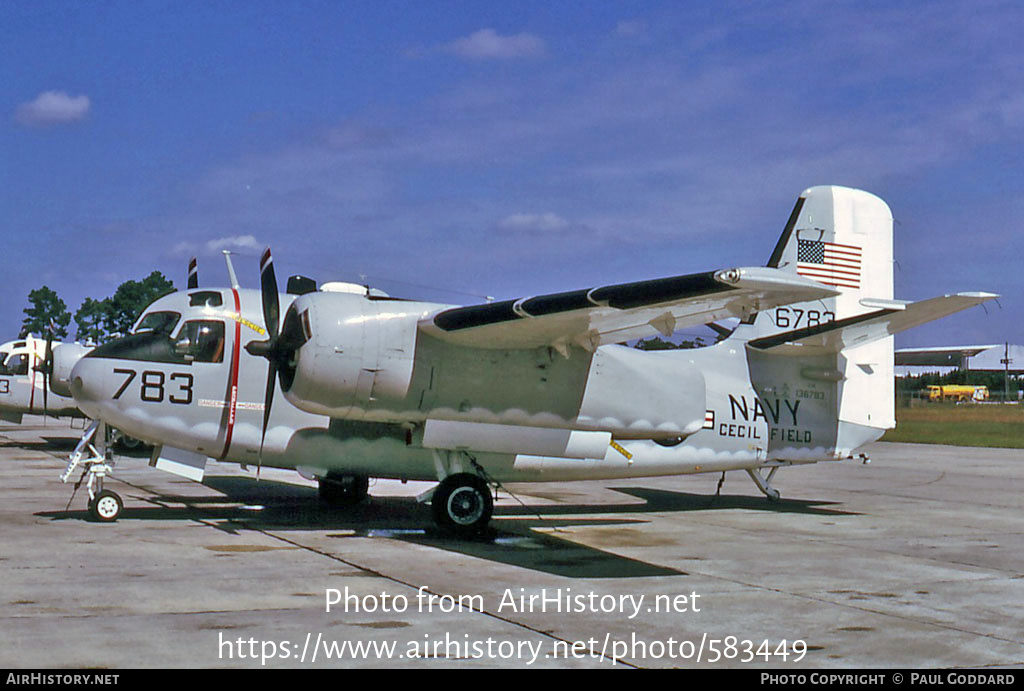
[232,401]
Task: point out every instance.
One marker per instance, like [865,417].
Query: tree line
[96,321]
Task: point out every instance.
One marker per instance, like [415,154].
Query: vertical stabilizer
[842,238]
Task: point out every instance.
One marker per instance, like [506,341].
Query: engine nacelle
[65,355]
[356,350]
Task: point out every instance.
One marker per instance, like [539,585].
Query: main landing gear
[97,460]
[462,502]
[343,490]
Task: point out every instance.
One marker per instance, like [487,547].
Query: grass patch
[960,425]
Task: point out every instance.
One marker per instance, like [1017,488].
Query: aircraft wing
[896,316]
[616,313]
[944,356]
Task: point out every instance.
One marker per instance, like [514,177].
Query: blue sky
[504,149]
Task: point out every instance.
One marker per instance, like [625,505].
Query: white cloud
[183,249]
[234,242]
[188,248]
[630,28]
[533,222]
[487,44]
[52,108]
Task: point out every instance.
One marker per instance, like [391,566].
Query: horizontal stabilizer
[868,327]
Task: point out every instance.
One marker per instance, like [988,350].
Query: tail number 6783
[794,318]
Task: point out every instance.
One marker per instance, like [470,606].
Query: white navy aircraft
[355,384]
[34,378]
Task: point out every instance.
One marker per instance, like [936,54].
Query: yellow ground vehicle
[957,392]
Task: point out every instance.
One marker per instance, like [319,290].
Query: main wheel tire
[106,507]
[344,490]
[462,504]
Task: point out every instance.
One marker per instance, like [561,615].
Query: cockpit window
[201,341]
[205,298]
[16,364]
[158,322]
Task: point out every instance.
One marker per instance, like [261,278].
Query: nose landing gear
[96,459]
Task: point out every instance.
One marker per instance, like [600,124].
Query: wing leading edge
[612,314]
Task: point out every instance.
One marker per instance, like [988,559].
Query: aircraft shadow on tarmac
[62,446]
[50,445]
[518,536]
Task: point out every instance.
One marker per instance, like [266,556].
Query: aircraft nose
[86,382]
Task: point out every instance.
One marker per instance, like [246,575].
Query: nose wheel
[462,504]
[106,507]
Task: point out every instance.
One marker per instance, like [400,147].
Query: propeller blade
[268,400]
[47,372]
[268,286]
[193,274]
[272,320]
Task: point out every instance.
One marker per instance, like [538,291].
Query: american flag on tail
[829,263]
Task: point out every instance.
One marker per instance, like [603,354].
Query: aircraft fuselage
[614,412]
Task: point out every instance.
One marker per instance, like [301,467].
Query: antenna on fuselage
[231,270]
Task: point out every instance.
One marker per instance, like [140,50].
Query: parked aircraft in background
[27,386]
